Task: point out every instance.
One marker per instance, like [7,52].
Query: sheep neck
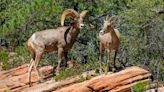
[74,32]
[113,34]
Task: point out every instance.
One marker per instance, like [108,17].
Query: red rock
[109,82]
[3,88]
[20,71]
[13,72]
[17,78]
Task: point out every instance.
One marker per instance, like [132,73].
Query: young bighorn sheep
[60,39]
[109,39]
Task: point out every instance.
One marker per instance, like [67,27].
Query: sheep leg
[66,58]
[37,60]
[60,50]
[100,57]
[107,59]
[31,61]
[115,58]
[29,71]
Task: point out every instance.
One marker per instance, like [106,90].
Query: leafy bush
[141,29]
[22,51]
[66,73]
[140,87]
[4,57]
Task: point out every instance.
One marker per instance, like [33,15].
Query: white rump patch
[117,33]
[33,37]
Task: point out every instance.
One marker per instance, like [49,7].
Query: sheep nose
[81,25]
[101,32]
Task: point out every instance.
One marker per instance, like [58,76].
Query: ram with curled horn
[60,39]
[109,40]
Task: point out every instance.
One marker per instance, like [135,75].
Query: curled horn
[111,18]
[107,17]
[83,14]
[69,12]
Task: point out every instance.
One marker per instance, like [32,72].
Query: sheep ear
[83,14]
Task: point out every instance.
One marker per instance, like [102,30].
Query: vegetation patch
[140,87]
[66,73]
[22,50]
[4,57]
[138,21]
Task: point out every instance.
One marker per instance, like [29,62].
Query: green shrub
[8,90]
[63,74]
[4,57]
[140,87]
[22,51]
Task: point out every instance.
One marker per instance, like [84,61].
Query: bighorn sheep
[109,39]
[60,39]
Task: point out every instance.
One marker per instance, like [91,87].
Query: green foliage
[22,51]
[140,87]
[88,77]
[27,17]
[141,30]
[66,73]
[71,72]
[8,90]
[81,79]
[10,59]
[4,56]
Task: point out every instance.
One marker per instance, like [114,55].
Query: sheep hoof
[106,72]
[41,80]
[30,84]
[113,69]
[57,73]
